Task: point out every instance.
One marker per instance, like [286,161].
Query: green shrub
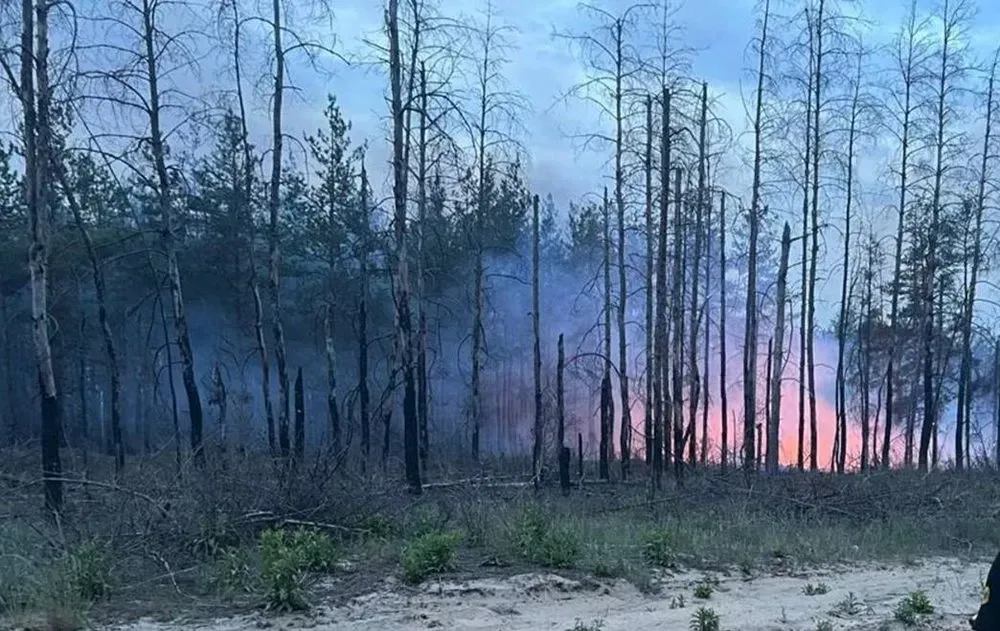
[657,548]
[283,571]
[909,610]
[539,541]
[704,619]
[231,573]
[703,591]
[215,535]
[318,551]
[429,553]
[89,565]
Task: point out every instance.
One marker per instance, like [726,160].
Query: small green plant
[849,606]
[429,553]
[657,548]
[378,526]
[231,573]
[909,610]
[611,569]
[545,544]
[704,619]
[318,551]
[815,590]
[283,571]
[824,625]
[678,602]
[703,590]
[90,569]
[215,535]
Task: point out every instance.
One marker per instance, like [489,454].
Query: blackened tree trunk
[723,396]
[774,424]
[536,451]
[37,147]
[650,285]
[814,258]
[364,396]
[677,303]
[422,394]
[165,203]
[750,333]
[607,401]
[660,393]
[300,418]
[273,237]
[564,451]
[694,377]
[804,298]
[402,280]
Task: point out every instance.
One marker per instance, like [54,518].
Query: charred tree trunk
[273,237]
[332,406]
[677,303]
[536,451]
[158,152]
[564,451]
[845,302]
[220,399]
[804,303]
[300,419]
[723,396]
[364,395]
[703,457]
[650,285]
[607,404]
[965,371]
[248,163]
[402,280]
[625,434]
[750,333]
[767,398]
[97,274]
[814,258]
[37,148]
[773,428]
[694,377]
[422,395]
[661,423]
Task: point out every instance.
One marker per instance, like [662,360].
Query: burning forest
[318,294]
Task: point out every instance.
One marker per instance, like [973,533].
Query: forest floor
[236,545]
[859,597]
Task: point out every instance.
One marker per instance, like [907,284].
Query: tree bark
[814,258]
[806,164]
[750,333]
[402,280]
[158,151]
[536,451]
[773,428]
[650,287]
[661,423]
[723,396]
[607,404]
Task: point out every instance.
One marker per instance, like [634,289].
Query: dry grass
[196,544]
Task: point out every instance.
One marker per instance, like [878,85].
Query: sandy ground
[548,601]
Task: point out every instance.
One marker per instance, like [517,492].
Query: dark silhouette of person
[988,617]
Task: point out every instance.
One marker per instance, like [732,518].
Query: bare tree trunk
[723,396]
[773,429]
[625,440]
[157,150]
[806,164]
[750,334]
[694,377]
[651,366]
[965,371]
[677,304]
[332,405]
[607,405]
[767,398]
[300,419]
[402,280]
[37,147]
[97,274]
[703,457]
[251,246]
[422,395]
[219,398]
[363,392]
[661,423]
[814,258]
[845,303]
[536,451]
[274,247]
[564,451]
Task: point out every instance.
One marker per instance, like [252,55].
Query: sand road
[859,597]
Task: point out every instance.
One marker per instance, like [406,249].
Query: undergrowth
[239,531]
